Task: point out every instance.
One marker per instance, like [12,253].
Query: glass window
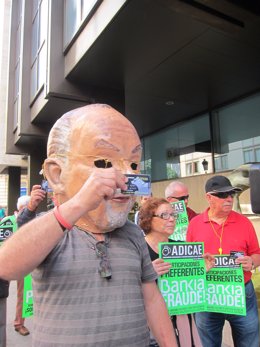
[195,167]
[170,150]
[43,22]
[257,154]
[72,18]
[38,53]
[188,169]
[248,156]
[221,163]
[236,133]
[34,79]
[41,66]
[87,6]
[75,12]
[16,71]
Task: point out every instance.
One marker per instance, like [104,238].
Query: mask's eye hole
[134,166]
[103,163]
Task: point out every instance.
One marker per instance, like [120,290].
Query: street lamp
[205,165]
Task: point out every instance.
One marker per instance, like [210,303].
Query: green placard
[183,287]
[8,226]
[27,297]
[225,287]
[181,221]
[187,288]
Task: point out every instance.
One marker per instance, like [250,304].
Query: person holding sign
[25,203]
[226,232]
[7,228]
[93,280]
[156,218]
[178,191]
[22,202]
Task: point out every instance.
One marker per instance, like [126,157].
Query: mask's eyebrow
[137,149]
[106,144]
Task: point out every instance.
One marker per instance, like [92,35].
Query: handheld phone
[138,184]
[44,186]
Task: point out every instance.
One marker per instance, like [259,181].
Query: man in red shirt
[177,191]
[223,230]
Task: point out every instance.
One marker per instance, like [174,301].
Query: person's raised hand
[102,184]
[37,196]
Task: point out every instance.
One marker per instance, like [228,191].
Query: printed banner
[27,297]
[225,287]
[181,221]
[187,288]
[183,287]
[8,226]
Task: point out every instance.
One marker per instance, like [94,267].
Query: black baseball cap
[217,184]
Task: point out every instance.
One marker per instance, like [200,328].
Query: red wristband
[60,219]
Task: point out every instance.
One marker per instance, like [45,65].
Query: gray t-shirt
[74,306]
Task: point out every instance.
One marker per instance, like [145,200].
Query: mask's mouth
[121,198]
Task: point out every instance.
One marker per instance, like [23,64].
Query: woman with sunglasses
[156,219]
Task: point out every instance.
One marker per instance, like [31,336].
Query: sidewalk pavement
[13,338]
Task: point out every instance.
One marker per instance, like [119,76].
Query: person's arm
[34,240]
[29,213]
[157,315]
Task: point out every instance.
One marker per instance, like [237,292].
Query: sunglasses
[164,215]
[223,195]
[104,270]
[180,198]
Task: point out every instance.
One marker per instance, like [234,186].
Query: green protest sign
[225,287]
[181,221]
[8,226]
[183,287]
[27,297]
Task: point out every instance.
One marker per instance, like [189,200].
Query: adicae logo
[166,250]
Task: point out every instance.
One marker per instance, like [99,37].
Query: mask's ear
[52,171]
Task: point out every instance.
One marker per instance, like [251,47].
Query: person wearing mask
[223,230]
[93,280]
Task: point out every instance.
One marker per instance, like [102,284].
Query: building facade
[186,73]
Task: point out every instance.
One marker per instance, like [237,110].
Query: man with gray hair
[177,191]
[93,280]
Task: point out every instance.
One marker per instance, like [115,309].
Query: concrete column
[14,183]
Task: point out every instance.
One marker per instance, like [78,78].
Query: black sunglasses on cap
[223,195]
